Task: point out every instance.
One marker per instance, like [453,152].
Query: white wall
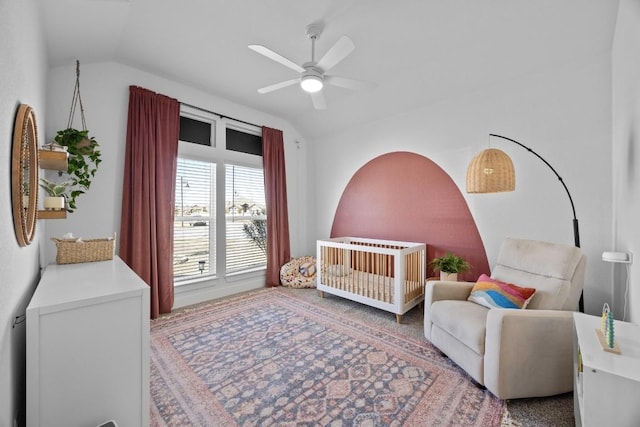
[105,95]
[562,112]
[626,151]
[22,79]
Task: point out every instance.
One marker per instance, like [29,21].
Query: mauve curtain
[275,189]
[146,226]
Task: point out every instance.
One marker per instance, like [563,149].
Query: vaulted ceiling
[416,52]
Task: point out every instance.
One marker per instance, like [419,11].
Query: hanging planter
[84,156]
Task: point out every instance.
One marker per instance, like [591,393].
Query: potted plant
[84,158]
[449,265]
[56,194]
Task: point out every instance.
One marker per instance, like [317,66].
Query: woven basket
[72,251]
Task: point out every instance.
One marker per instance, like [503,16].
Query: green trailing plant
[257,231]
[54,189]
[84,158]
[450,263]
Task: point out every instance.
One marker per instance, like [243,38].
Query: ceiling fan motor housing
[312,78]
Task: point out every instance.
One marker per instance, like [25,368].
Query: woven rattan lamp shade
[491,171]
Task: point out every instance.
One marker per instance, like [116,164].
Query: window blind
[194,225]
[245,214]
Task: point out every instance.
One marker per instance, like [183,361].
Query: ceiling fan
[312,74]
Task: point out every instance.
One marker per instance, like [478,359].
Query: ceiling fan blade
[318,101]
[276,57]
[349,83]
[343,47]
[277,86]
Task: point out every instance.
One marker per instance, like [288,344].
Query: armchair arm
[528,353]
[438,290]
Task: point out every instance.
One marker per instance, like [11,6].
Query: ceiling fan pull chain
[75,100]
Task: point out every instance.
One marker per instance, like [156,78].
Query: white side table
[606,385]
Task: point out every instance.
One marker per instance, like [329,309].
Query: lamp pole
[576,230]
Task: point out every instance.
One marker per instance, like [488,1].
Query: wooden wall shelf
[52,214]
[53,160]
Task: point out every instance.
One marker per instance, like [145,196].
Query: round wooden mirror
[24,175]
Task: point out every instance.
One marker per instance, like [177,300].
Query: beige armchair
[514,353]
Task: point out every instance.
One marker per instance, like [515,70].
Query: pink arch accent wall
[406,196]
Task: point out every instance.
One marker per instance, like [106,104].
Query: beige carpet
[556,411]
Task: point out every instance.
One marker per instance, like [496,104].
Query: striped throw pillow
[493,293]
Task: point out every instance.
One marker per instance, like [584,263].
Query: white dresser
[88,347]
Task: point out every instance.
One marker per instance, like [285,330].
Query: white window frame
[218,154]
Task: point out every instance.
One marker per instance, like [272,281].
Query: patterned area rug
[268,358]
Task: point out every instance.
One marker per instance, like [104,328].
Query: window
[220,210]
[194,225]
[196,131]
[245,212]
[243,142]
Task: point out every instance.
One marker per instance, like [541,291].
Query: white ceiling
[416,51]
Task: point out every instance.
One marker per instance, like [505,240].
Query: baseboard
[185,295]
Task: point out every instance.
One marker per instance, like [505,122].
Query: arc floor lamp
[492,171]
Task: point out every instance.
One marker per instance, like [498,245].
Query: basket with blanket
[76,250]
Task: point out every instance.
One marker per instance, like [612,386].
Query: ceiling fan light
[311,83]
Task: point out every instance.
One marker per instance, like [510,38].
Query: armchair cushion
[462,319]
[492,293]
[556,271]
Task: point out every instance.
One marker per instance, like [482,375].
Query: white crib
[385,274]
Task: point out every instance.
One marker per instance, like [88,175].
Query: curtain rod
[218,114]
